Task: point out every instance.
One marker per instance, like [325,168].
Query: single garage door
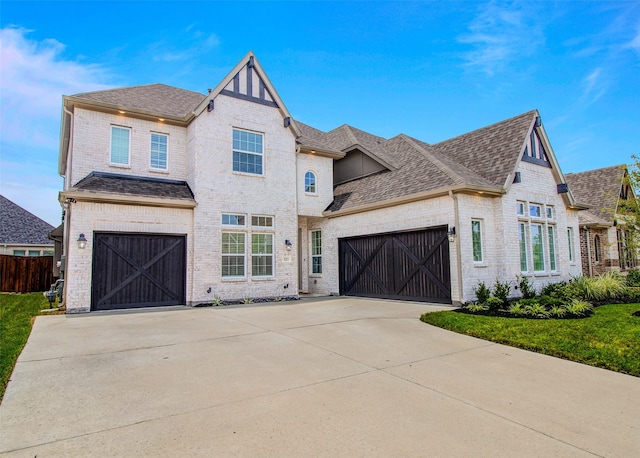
[137,270]
[405,265]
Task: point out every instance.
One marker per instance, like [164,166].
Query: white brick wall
[92,146]
[87,218]
[314,204]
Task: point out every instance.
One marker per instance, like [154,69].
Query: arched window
[310,182]
[596,247]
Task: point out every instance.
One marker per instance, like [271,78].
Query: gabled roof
[157,99]
[20,227]
[600,188]
[483,160]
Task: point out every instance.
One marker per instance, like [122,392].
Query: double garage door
[137,270]
[405,265]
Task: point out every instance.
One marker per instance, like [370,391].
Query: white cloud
[635,42]
[595,85]
[34,78]
[499,35]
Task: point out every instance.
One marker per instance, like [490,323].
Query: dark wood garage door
[137,270]
[405,265]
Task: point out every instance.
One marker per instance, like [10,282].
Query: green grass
[610,338]
[16,319]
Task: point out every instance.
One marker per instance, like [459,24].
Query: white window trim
[244,256]
[312,256]
[119,164]
[315,178]
[555,256]
[482,258]
[230,226]
[152,168]
[272,255]
[571,242]
[263,228]
[262,155]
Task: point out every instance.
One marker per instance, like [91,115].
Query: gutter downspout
[589,263]
[66,207]
[456,217]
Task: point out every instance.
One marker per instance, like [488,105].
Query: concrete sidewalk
[338,377]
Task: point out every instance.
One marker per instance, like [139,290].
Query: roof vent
[563,188]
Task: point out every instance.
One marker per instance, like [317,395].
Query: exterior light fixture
[82,242]
[121,111]
[451,234]
[288,244]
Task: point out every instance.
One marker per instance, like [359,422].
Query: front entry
[411,265]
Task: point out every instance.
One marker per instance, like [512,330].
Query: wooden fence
[25,274]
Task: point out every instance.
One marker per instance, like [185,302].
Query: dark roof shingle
[18,226]
[111,183]
[153,98]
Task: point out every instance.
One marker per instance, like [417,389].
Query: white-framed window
[535,211]
[522,240]
[47,253]
[233,254]
[159,151]
[570,240]
[550,212]
[120,145]
[34,252]
[19,252]
[261,255]
[310,186]
[316,252]
[597,249]
[231,219]
[551,234]
[520,208]
[537,247]
[247,152]
[262,221]
[476,238]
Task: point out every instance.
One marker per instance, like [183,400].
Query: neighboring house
[23,233]
[184,197]
[604,241]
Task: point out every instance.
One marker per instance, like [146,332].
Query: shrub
[579,308]
[494,304]
[217,302]
[536,311]
[603,287]
[631,295]
[633,278]
[501,291]
[517,309]
[557,311]
[476,308]
[558,290]
[549,301]
[482,292]
[526,288]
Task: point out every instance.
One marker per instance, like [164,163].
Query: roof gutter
[104,198]
[320,152]
[461,189]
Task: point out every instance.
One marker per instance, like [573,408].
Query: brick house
[22,233]
[176,197]
[604,242]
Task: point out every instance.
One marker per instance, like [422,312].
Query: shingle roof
[20,226]
[111,183]
[482,158]
[599,188]
[153,98]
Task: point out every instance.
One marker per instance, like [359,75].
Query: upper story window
[159,147]
[233,220]
[310,183]
[247,152]
[120,145]
[520,208]
[535,211]
[549,211]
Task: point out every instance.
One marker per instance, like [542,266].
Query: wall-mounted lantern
[451,234]
[288,244]
[82,242]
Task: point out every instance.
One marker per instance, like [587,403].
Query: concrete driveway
[332,377]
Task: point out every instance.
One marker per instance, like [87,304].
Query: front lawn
[610,338]
[16,319]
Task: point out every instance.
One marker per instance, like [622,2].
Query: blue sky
[432,70]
